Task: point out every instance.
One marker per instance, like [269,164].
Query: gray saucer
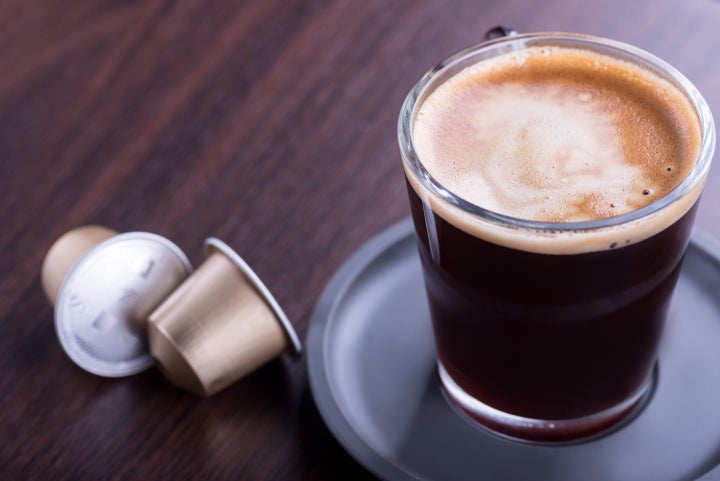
[373,375]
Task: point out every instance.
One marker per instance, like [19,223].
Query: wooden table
[270,124]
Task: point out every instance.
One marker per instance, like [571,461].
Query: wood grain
[270,124]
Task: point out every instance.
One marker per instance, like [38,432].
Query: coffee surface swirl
[557,135]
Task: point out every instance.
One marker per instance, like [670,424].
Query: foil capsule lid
[104,300]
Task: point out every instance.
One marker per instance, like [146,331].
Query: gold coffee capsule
[219,325]
[65,252]
[103,286]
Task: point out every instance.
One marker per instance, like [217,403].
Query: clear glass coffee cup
[548,308]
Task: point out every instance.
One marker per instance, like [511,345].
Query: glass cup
[548,331]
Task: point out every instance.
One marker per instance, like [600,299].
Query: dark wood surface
[270,124]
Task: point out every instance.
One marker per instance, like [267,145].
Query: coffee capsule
[219,325]
[103,286]
[65,252]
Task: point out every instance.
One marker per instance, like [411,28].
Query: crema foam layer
[556,134]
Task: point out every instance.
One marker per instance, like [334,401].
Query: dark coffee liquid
[547,336]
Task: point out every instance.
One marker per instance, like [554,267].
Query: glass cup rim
[629,53]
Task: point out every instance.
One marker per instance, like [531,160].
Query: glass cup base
[543,430]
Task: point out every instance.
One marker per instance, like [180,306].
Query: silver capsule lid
[104,301]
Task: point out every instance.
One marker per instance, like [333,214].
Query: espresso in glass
[553,180]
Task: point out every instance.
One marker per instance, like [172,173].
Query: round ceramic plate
[373,375]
